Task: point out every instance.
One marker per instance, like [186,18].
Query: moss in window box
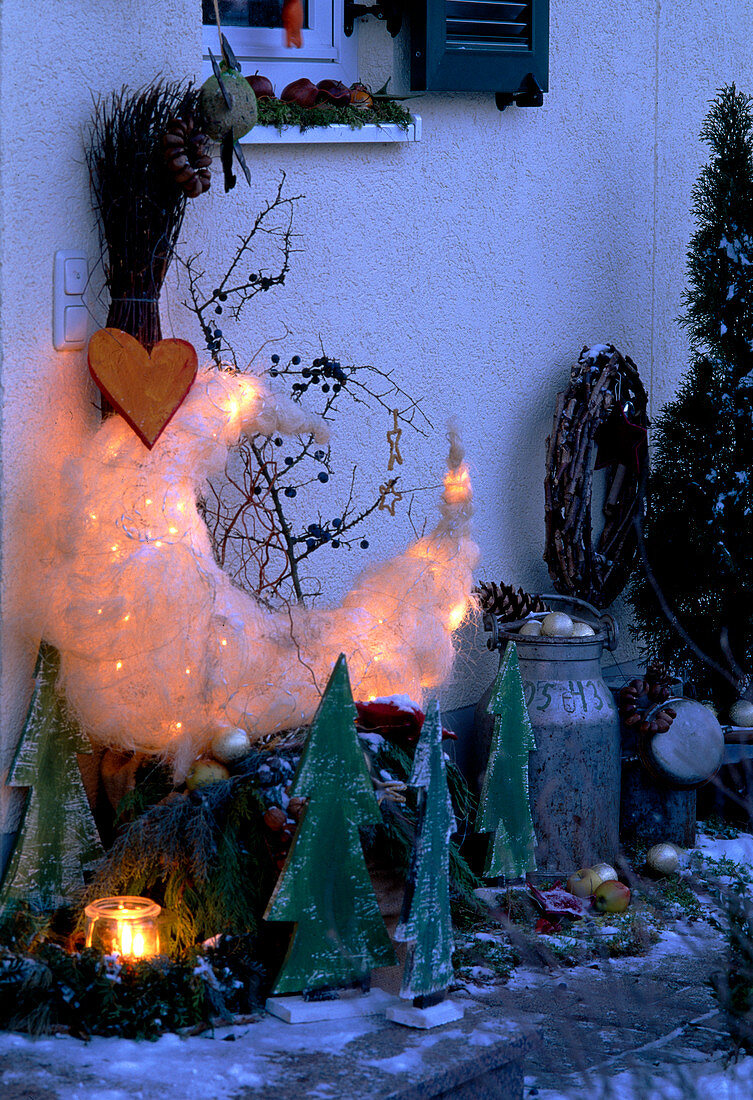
[273,112]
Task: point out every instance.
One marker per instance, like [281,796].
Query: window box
[335,134]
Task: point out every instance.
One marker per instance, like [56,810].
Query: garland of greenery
[45,988]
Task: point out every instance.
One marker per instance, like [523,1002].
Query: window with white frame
[254,30]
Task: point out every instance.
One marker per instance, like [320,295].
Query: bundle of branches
[600,422]
[250,512]
[139,204]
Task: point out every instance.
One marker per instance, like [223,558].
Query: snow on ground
[739,849]
[220,1066]
[172,1068]
[713,1079]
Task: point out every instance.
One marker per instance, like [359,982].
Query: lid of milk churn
[690,752]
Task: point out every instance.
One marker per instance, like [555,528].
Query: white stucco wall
[475,264]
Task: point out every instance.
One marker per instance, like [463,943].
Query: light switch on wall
[70,317]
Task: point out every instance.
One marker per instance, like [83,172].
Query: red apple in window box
[302,92]
[611,897]
[262,86]
[334,92]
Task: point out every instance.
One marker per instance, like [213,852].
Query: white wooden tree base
[294,1010]
[443,1013]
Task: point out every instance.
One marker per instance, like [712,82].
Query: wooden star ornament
[389,496]
[393,438]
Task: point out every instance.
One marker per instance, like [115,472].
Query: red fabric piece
[558,902]
[393,721]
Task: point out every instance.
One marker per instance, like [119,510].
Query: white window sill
[337,134]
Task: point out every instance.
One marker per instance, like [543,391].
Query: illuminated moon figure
[160,651]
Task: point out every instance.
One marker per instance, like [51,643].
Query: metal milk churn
[574,774]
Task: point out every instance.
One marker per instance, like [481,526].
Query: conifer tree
[57,837]
[504,808]
[426,922]
[699,520]
[325,886]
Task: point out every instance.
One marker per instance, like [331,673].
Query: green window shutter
[480,46]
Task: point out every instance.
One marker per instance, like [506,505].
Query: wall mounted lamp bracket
[387,10]
[529,94]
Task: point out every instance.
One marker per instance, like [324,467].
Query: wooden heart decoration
[147,390]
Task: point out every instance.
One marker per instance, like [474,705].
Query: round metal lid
[690,752]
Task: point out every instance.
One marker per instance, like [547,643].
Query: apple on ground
[584,882]
[611,897]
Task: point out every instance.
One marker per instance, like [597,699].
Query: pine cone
[505,602]
[187,156]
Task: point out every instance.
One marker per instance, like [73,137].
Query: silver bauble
[741,713]
[231,745]
[557,625]
[663,859]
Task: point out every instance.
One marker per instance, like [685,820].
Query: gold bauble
[741,713]
[583,630]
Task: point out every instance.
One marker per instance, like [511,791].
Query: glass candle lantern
[124,926]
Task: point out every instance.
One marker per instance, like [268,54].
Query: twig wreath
[600,421]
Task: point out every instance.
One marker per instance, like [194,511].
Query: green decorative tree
[695,592]
[325,886]
[426,921]
[57,837]
[504,808]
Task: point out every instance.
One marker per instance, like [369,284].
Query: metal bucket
[574,774]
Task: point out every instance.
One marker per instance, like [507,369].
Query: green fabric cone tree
[57,837]
[426,921]
[699,518]
[504,808]
[325,886]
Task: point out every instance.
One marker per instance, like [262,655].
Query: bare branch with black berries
[237,288]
